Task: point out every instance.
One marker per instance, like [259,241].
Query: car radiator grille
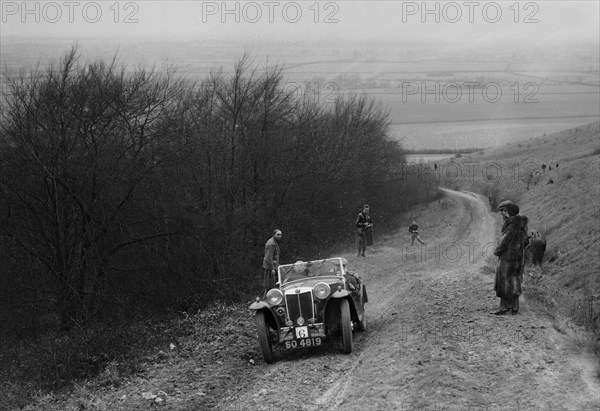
[300,305]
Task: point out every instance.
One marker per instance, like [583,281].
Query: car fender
[270,315]
[332,308]
[356,310]
[340,294]
[259,305]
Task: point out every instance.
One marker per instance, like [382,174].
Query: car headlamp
[274,296]
[322,291]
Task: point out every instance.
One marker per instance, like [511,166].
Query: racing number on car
[301,332]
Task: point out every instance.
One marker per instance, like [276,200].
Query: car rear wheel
[264,339]
[346,323]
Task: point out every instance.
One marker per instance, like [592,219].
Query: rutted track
[431,340]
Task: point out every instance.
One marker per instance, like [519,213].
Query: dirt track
[432,343]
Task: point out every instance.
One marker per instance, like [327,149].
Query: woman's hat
[503,205]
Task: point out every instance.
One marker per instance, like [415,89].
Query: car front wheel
[346,321]
[264,339]
[362,325]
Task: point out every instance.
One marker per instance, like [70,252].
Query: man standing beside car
[271,260]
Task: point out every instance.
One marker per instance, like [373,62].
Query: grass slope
[562,203]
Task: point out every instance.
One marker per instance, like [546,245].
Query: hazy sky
[462,23]
[542,31]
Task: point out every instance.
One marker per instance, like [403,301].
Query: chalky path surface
[432,343]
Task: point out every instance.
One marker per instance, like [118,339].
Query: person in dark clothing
[365,232]
[271,260]
[535,248]
[511,258]
[414,233]
[353,280]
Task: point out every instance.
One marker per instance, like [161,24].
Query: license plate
[304,342]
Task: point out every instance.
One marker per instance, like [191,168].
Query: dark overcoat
[271,259]
[511,257]
[365,235]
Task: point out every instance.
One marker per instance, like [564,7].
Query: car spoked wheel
[346,325]
[264,337]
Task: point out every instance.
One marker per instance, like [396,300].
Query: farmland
[445,98]
[436,104]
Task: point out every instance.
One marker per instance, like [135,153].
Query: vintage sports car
[316,300]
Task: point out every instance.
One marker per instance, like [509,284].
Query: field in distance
[449,99]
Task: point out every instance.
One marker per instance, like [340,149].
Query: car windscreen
[309,269]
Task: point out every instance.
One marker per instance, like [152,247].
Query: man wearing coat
[511,258]
[271,261]
[365,233]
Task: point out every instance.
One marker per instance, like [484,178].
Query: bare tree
[82,143]
[139,187]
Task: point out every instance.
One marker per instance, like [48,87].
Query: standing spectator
[271,260]
[511,258]
[414,233]
[365,233]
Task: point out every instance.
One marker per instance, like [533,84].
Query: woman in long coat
[511,258]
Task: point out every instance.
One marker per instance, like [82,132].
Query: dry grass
[566,212]
[165,350]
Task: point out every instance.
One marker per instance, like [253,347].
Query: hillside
[562,203]
[431,341]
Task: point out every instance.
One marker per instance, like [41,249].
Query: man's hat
[503,205]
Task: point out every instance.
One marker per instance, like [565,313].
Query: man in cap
[511,257]
[271,260]
[365,234]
